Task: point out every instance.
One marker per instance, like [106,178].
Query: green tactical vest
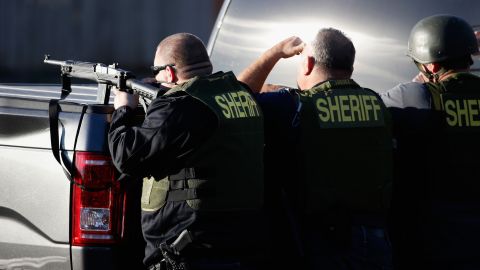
[226,172]
[345,150]
[454,168]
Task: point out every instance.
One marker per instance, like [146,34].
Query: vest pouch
[154,193]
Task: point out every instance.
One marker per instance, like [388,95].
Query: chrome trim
[218,24]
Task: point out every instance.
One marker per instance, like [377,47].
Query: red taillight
[98,201]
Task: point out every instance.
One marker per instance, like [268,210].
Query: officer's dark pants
[218,263]
[223,264]
[368,248]
[446,237]
[237,258]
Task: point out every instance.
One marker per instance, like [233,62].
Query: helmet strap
[423,69]
[432,77]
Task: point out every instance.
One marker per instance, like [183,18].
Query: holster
[158,266]
[170,260]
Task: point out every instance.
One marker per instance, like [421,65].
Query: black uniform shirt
[175,126]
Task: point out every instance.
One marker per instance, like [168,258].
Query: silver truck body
[35,194]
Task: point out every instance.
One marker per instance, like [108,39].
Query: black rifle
[105,76]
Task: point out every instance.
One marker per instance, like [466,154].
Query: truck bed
[36,195]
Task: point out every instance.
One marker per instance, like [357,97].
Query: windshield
[379,29]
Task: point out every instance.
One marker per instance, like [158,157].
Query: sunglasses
[157,69]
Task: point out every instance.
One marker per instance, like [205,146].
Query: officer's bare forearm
[256,74]
[271,87]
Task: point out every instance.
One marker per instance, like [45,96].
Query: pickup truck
[48,221]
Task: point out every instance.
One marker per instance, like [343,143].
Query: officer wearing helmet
[435,205]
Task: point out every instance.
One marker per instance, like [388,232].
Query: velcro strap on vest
[190,173]
[182,194]
[179,189]
[183,174]
[178,184]
[188,194]
[179,180]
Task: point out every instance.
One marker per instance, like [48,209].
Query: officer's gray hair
[332,49]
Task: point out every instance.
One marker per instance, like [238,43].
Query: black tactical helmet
[441,37]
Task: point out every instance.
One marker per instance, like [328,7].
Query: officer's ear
[433,67]
[308,65]
[171,74]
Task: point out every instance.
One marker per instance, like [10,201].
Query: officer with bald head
[200,154]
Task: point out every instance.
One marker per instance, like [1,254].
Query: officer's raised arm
[256,74]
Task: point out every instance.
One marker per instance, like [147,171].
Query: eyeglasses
[157,69]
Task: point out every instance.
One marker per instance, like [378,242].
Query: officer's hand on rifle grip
[123,98]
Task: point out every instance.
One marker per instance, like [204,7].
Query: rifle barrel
[55,62]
